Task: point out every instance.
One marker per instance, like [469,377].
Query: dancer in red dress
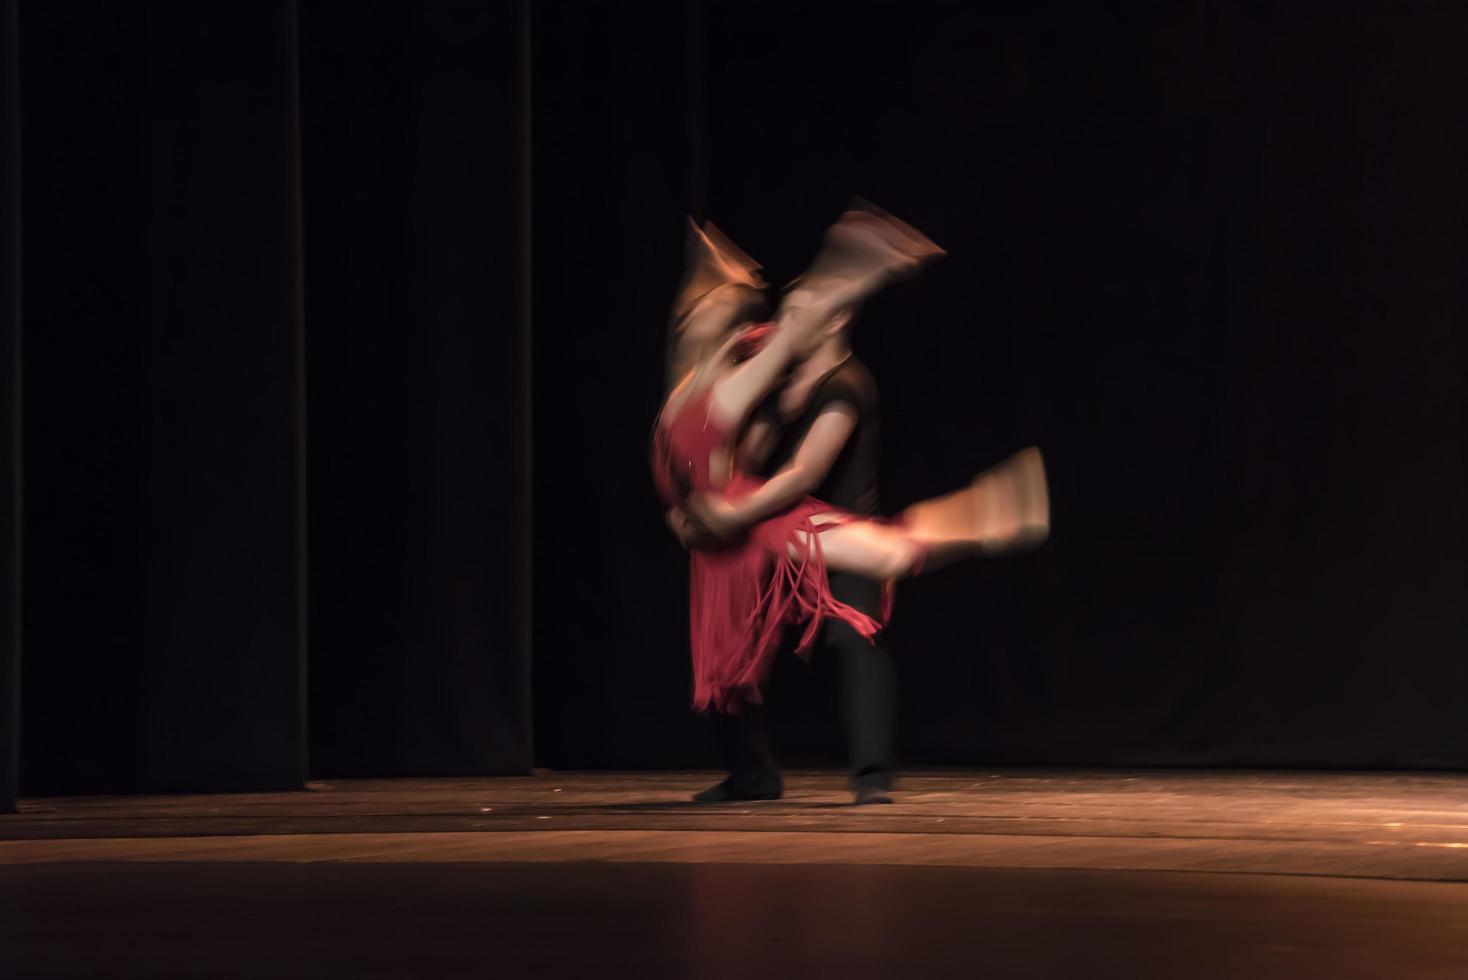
[743,593]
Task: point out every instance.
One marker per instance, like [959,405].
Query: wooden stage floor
[999,873]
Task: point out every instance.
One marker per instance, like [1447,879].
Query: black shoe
[872,794]
[726,793]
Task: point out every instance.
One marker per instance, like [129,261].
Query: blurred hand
[682,528]
[715,515]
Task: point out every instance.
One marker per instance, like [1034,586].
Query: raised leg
[867,548]
[1004,509]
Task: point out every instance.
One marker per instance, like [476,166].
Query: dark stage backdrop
[10,422]
[201,180]
[1209,256]
[617,164]
[275,388]
[413,116]
[163,572]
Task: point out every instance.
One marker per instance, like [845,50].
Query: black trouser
[867,704]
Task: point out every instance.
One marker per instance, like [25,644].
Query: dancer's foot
[1004,509]
[726,792]
[1023,518]
[871,794]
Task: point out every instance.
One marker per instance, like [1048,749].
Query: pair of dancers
[760,562]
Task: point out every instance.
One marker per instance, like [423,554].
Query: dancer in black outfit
[820,435]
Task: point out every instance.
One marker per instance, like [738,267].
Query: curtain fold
[163,396]
[414,221]
[11,486]
[201,173]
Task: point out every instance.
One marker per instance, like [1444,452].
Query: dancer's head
[865,249]
[721,290]
[817,324]
[726,308]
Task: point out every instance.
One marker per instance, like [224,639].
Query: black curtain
[10,400]
[276,280]
[274,291]
[419,661]
[164,578]
[1207,255]
[618,153]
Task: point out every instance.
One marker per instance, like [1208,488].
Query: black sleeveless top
[852,482]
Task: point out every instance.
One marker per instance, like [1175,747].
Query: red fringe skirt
[742,597]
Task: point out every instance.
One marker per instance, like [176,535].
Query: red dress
[742,595]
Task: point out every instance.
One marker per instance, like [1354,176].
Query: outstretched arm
[818,452]
[736,394]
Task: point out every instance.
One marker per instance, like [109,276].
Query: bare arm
[736,394]
[807,470]
[818,452]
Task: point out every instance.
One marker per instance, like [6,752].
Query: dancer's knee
[905,560]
